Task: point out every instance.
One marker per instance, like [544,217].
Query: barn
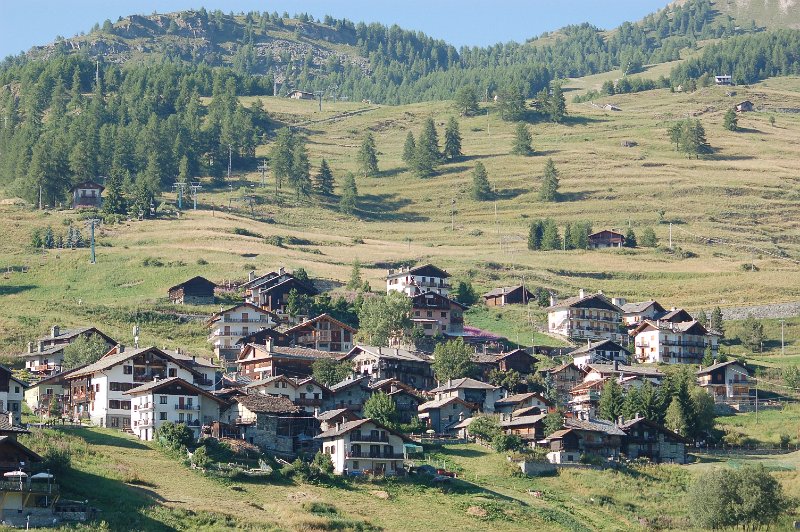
[196,291]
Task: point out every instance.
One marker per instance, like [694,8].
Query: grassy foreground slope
[745,194]
[125,479]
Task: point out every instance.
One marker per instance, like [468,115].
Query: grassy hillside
[765,13]
[125,479]
[745,195]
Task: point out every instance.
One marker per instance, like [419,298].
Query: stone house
[587,317]
[647,439]
[364,446]
[196,291]
[412,368]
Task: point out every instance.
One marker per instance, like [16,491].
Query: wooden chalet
[262,361]
[606,239]
[324,333]
[87,194]
[508,295]
[437,314]
[196,291]
[647,439]
[412,368]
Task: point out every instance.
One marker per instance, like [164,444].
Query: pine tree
[452,140]
[282,155]
[549,189]
[674,419]
[466,101]
[522,140]
[556,105]
[568,238]
[730,121]
[184,171]
[649,239]
[511,102]
[535,235]
[551,240]
[481,190]
[611,400]
[368,156]
[48,240]
[409,149]
[716,321]
[347,201]
[300,174]
[113,201]
[323,181]
[702,317]
[630,238]
[427,155]
[355,281]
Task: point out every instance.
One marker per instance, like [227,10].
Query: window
[181,417]
[14,407]
[332,449]
[189,418]
[430,313]
[427,326]
[416,313]
[127,370]
[113,422]
[16,388]
[173,372]
[126,422]
[113,404]
[444,314]
[125,405]
[355,464]
[48,391]
[162,416]
[162,399]
[97,387]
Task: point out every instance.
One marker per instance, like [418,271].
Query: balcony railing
[146,406]
[27,486]
[355,436]
[308,402]
[203,382]
[368,454]
[148,376]
[187,407]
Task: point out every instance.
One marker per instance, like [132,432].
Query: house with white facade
[172,399]
[635,313]
[45,355]
[480,394]
[603,352]
[12,394]
[673,343]
[587,317]
[419,280]
[727,382]
[324,333]
[412,368]
[230,325]
[97,392]
[363,447]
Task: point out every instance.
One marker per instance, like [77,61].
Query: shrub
[245,232]
[174,435]
[274,240]
[152,262]
[202,262]
[484,427]
[506,442]
[200,458]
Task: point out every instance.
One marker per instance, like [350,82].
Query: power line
[747,247]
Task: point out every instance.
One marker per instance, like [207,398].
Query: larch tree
[427,156]
[349,196]
[549,188]
[452,140]
[409,149]
[368,156]
[323,180]
[467,100]
[481,189]
[522,140]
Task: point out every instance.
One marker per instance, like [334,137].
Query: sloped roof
[162,383]
[267,404]
[596,425]
[466,383]
[577,300]
[677,313]
[564,366]
[217,315]
[431,294]
[326,317]
[348,426]
[304,353]
[503,290]
[113,359]
[87,184]
[53,379]
[49,351]
[628,425]
[7,440]
[331,414]
[719,365]
[7,428]
[192,360]
[66,334]
[679,327]
[444,401]
[393,353]
[412,271]
[523,420]
[641,306]
[607,344]
[347,383]
[645,371]
[195,278]
[520,397]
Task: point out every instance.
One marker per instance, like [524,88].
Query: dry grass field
[746,194]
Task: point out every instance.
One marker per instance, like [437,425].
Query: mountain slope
[769,14]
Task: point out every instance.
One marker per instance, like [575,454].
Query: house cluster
[261,387]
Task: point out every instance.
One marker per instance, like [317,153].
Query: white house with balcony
[727,382]
[97,392]
[12,394]
[364,446]
[673,343]
[228,326]
[175,400]
[587,317]
[419,280]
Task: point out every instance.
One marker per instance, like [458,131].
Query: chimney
[40,346]
[30,347]
[251,276]
[616,365]
[268,343]
[281,270]
[120,348]
[11,418]
[55,330]
[553,299]
[338,426]
[581,293]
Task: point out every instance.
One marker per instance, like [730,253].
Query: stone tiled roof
[267,404]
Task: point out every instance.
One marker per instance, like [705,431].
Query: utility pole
[179,187]
[97,72]
[487,121]
[670,235]
[230,161]
[319,95]
[195,187]
[757,401]
[91,223]
[453,216]
[263,168]
[783,351]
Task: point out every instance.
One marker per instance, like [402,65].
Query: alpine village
[264,271]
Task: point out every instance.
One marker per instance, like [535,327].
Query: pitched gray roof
[267,404]
[719,365]
[599,425]
[466,383]
[117,358]
[645,371]
[596,345]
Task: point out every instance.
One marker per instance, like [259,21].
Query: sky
[26,23]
